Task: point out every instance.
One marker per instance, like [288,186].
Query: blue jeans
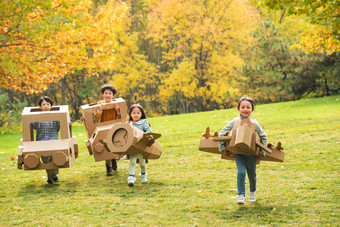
[243,163]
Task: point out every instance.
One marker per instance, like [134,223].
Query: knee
[132,164]
[142,164]
[241,174]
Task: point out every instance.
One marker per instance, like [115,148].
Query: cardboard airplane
[112,139]
[63,151]
[124,138]
[242,139]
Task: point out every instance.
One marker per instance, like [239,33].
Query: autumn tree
[275,72]
[321,22]
[42,41]
[196,44]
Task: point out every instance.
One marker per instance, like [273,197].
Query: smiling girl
[138,119]
[245,163]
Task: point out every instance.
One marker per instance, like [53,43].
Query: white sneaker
[125,157]
[131,181]
[252,197]
[144,178]
[240,199]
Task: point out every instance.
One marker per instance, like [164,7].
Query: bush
[10,114]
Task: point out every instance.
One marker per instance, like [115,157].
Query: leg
[132,166]
[251,171]
[241,173]
[51,173]
[132,169]
[114,164]
[142,164]
[108,165]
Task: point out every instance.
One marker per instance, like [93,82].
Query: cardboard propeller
[242,139]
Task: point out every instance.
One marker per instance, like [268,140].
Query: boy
[108,92]
[47,130]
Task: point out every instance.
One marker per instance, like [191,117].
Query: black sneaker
[114,164]
[49,182]
[109,171]
[55,178]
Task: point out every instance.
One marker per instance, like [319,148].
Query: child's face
[136,114]
[45,106]
[245,108]
[108,95]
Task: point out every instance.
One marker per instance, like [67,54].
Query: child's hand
[101,106]
[259,157]
[115,105]
[230,154]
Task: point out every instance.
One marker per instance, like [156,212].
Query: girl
[137,118]
[245,162]
[47,130]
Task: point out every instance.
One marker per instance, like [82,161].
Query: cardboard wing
[210,144]
[241,140]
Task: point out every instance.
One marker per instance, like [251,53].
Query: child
[47,130]
[108,92]
[245,162]
[138,119]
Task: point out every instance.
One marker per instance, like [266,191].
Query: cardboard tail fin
[148,138]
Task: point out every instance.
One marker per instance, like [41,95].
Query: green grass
[188,187]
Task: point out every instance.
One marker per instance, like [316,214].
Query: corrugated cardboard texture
[242,139]
[90,109]
[111,139]
[100,151]
[63,151]
[124,138]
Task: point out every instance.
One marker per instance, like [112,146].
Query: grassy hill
[188,187]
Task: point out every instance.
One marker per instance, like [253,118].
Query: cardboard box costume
[112,139]
[241,140]
[64,151]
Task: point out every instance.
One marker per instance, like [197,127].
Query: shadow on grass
[261,214]
[34,189]
[94,185]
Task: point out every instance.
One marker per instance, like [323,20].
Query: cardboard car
[114,138]
[63,151]
[242,139]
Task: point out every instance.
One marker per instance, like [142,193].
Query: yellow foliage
[201,43]
[318,39]
[41,51]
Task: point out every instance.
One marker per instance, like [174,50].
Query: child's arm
[115,105]
[225,130]
[99,112]
[34,125]
[58,125]
[146,126]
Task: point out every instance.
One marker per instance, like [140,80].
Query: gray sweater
[230,125]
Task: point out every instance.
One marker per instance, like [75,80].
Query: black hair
[246,98]
[46,99]
[108,87]
[140,108]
